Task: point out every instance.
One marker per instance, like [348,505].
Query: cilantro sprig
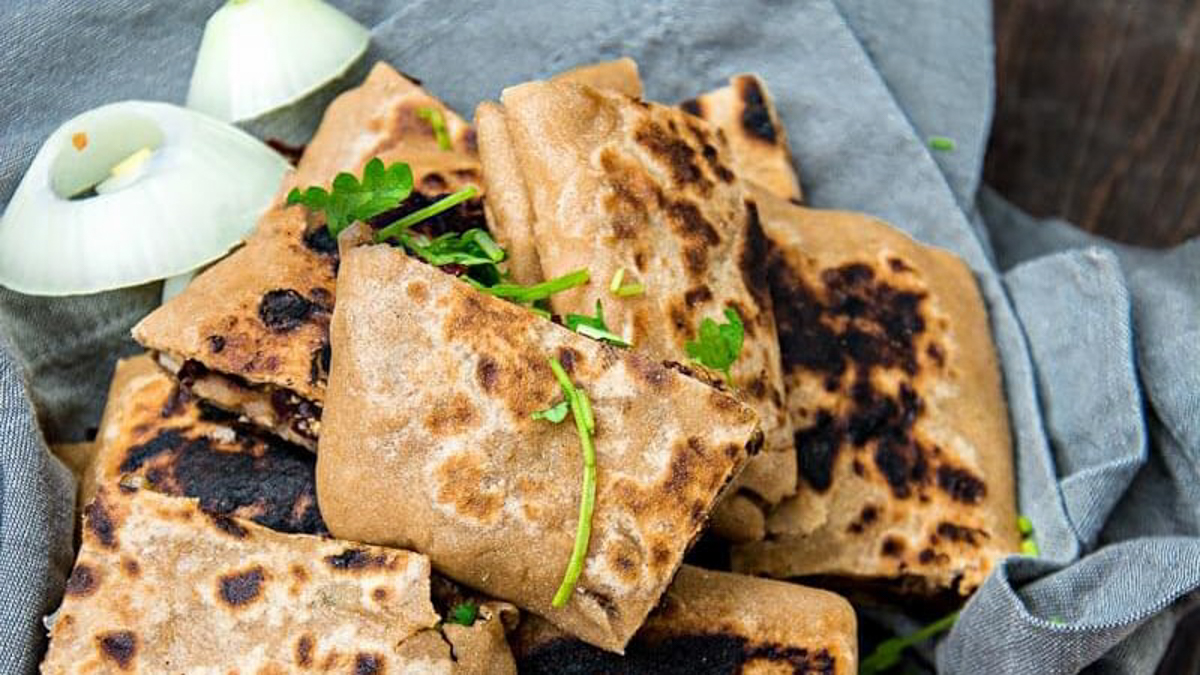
[463,614]
[624,290]
[594,327]
[719,344]
[585,424]
[438,122]
[887,654]
[554,414]
[444,204]
[350,199]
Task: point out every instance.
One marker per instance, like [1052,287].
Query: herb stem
[527,294]
[444,204]
[630,289]
[438,122]
[585,424]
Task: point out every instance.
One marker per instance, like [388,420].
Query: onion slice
[260,55]
[133,192]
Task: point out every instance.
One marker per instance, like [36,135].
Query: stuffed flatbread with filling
[644,191]
[250,334]
[429,443]
[161,586]
[894,391]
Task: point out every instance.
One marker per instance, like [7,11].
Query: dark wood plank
[1097,118]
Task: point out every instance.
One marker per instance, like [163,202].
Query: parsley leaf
[718,345]
[555,413]
[438,122]
[381,189]
[594,327]
[887,653]
[463,614]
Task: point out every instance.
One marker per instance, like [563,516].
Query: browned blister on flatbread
[894,391]
[251,334]
[712,622]
[156,435]
[745,113]
[429,444]
[615,183]
[162,586]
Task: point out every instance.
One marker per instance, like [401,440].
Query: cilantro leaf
[594,327]
[438,122]
[463,614]
[555,413]
[887,653]
[718,345]
[349,199]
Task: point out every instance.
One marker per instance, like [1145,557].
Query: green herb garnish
[438,122]
[555,413]
[1029,546]
[719,345]
[594,327]
[615,287]
[941,143]
[887,654]
[444,204]
[526,295]
[585,424]
[463,614]
[350,200]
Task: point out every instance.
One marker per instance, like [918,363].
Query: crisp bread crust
[745,113]
[616,183]
[257,323]
[901,428]
[713,622]
[429,443]
[162,586]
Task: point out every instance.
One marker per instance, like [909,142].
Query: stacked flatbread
[598,180]
[860,440]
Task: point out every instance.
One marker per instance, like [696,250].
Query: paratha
[250,334]
[615,183]
[745,112]
[156,435]
[509,211]
[712,623]
[429,444]
[902,433]
[162,586]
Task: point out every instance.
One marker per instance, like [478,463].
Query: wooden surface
[1098,114]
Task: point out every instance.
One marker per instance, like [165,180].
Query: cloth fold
[1099,343]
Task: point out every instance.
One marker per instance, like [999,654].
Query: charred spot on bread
[238,589]
[962,485]
[100,523]
[718,651]
[756,117]
[119,647]
[83,581]
[284,309]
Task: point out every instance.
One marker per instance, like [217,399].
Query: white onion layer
[260,55]
[196,193]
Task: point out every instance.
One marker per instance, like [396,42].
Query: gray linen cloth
[1099,343]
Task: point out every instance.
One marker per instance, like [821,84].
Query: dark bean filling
[687,654]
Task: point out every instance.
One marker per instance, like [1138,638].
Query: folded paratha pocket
[162,586]
[429,444]
[906,459]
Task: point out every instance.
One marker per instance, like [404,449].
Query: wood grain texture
[1096,118]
